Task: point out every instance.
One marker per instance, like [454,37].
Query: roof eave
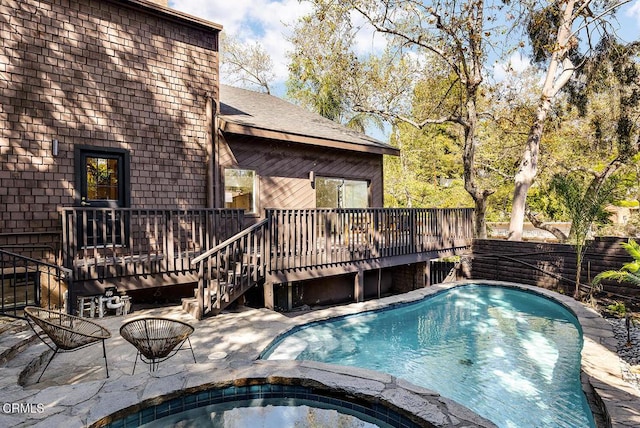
[170,13]
[252,131]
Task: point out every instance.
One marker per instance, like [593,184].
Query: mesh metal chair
[66,332]
[156,339]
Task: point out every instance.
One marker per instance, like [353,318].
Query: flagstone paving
[75,392]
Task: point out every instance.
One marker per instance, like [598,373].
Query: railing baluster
[102,243]
[308,238]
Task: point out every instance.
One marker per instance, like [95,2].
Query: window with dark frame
[341,193]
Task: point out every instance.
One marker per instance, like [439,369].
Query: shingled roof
[257,114]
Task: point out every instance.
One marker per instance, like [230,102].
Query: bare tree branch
[538,224]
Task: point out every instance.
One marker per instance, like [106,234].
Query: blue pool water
[509,355]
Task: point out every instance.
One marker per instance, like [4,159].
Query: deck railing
[304,238]
[229,269]
[100,243]
[27,282]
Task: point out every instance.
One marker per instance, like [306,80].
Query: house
[297,159]
[621,215]
[125,162]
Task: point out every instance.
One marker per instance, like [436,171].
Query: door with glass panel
[102,177]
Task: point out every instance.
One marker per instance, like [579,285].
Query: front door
[102,183]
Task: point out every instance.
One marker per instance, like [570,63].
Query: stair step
[190,306]
[232,286]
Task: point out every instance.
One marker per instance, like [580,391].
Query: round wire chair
[156,339]
[66,332]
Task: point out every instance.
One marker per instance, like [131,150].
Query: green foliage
[585,201]
[627,204]
[322,62]
[629,272]
[451,259]
[618,308]
[428,172]
[542,27]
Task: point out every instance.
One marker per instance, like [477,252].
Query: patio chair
[156,339]
[66,332]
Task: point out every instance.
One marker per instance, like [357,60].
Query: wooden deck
[332,240]
[296,245]
[104,243]
[287,245]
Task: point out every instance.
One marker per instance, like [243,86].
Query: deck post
[358,287]
[269,296]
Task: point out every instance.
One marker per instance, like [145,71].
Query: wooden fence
[548,265]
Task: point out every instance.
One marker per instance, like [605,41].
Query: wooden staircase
[228,270]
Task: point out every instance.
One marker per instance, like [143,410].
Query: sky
[264,21]
[268,22]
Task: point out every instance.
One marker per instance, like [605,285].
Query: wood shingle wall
[105,74]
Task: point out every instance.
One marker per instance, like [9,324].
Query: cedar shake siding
[283,169]
[287,146]
[125,75]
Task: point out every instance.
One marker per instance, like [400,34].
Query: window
[102,178]
[341,193]
[240,189]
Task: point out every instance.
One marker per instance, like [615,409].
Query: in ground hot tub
[265,405]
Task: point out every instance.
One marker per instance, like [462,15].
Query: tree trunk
[479,221]
[560,235]
[527,172]
[576,293]
[555,79]
[470,174]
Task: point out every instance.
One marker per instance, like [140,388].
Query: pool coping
[89,402]
[347,383]
[619,402]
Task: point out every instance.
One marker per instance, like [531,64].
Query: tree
[322,64]
[246,64]
[438,38]
[554,33]
[605,100]
[428,172]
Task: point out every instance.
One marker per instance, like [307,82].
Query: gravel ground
[628,349]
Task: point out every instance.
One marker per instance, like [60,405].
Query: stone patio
[75,392]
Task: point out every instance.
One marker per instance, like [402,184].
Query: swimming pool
[510,355]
